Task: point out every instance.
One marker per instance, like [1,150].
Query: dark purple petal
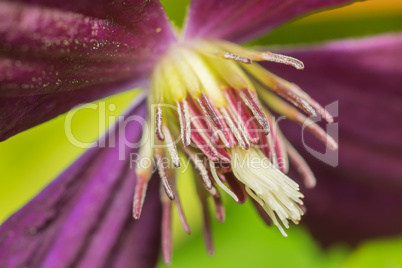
[362,196]
[241,20]
[84,216]
[49,46]
[57,54]
[20,113]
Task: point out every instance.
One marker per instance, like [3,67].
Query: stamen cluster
[206,93]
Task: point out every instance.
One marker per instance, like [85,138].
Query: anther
[241,59]
[239,110]
[198,163]
[213,117]
[251,102]
[171,147]
[235,130]
[185,122]
[139,196]
[163,176]
[269,56]
[158,123]
[204,144]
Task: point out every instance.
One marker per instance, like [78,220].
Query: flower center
[205,101]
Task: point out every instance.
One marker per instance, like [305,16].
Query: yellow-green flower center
[204,99]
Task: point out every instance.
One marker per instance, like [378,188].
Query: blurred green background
[30,160]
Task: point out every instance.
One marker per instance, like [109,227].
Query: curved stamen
[166,230]
[171,147]
[185,122]
[213,117]
[163,175]
[198,163]
[278,58]
[235,57]
[219,182]
[237,107]
[301,166]
[158,123]
[235,130]
[252,103]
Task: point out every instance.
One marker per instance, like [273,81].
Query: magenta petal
[85,215]
[47,48]
[20,113]
[57,54]
[359,198]
[242,20]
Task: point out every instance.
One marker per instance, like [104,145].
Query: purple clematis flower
[57,54]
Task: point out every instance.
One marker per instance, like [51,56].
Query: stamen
[274,57]
[166,230]
[262,212]
[281,152]
[163,175]
[300,165]
[264,147]
[258,56]
[317,131]
[289,91]
[158,123]
[255,108]
[218,181]
[237,107]
[275,192]
[237,187]
[231,56]
[213,191]
[143,174]
[226,133]
[271,146]
[185,122]
[202,124]
[223,155]
[235,130]
[220,209]
[237,121]
[213,117]
[198,163]
[207,230]
[221,177]
[204,144]
[205,75]
[139,196]
[207,224]
[293,114]
[273,142]
[182,217]
[171,147]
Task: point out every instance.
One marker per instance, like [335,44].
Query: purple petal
[84,216]
[20,113]
[47,47]
[359,198]
[57,54]
[241,20]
